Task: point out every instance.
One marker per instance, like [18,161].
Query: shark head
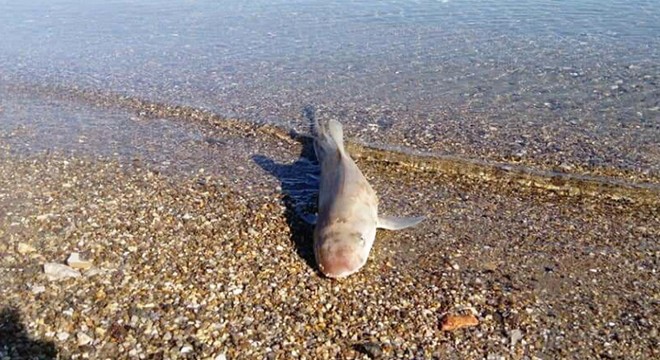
[340,254]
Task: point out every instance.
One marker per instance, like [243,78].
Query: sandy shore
[197,253]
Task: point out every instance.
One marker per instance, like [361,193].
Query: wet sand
[197,251]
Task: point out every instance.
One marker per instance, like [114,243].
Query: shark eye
[362,240]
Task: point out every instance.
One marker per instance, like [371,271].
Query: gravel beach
[154,166]
[197,252]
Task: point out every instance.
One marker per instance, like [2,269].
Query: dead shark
[347,207]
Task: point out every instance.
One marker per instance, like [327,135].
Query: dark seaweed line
[563,183]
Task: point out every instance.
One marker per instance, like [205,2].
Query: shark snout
[339,262]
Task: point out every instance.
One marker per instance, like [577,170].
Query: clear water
[547,81]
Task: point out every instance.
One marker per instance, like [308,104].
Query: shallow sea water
[568,86]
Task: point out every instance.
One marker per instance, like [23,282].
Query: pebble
[62,335]
[76,262]
[220,357]
[24,248]
[371,349]
[454,322]
[43,217]
[516,335]
[520,153]
[37,289]
[99,331]
[186,349]
[95,271]
[237,290]
[566,167]
[56,272]
[83,339]
[490,266]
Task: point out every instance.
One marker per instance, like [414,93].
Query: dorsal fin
[336,132]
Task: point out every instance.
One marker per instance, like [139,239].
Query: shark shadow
[15,343]
[300,187]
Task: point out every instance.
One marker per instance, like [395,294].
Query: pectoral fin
[398,223]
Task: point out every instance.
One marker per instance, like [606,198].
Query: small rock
[371,349]
[186,349]
[566,167]
[83,339]
[520,153]
[220,357]
[100,331]
[516,335]
[95,271]
[492,356]
[62,335]
[490,266]
[43,217]
[76,262]
[454,322]
[24,248]
[37,289]
[237,290]
[55,272]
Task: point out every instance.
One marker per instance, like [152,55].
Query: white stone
[56,272]
[95,271]
[37,289]
[492,356]
[76,262]
[24,248]
[516,335]
[186,349]
[43,217]
[83,339]
[220,357]
[62,335]
[237,291]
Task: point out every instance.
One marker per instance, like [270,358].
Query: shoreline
[569,174]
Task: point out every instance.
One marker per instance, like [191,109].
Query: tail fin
[328,134]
